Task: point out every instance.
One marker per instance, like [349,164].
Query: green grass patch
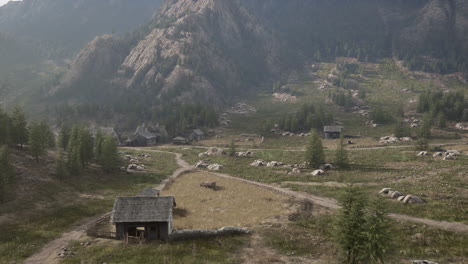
[218,250]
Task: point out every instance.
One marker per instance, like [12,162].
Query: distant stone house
[197,135]
[332,132]
[107,131]
[145,218]
[180,141]
[144,136]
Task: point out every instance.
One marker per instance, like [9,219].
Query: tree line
[308,117]
[78,147]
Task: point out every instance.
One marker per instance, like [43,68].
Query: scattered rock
[215,167]
[259,163]
[244,154]
[423,153]
[412,199]
[318,172]
[285,97]
[211,152]
[201,165]
[327,167]
[438,154]
[274,164]
[423,262]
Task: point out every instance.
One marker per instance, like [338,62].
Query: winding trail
[49,253]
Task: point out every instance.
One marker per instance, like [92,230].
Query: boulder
[450,157]
[423,153]
[394,194]
[438,154]
[214,151]
[327,167]
[424,262]
[132,167]
[412,199]
[215,167]
[400,199]
[318,172]
[452,153]
[258,163]
[244,154]
[296,171]
[406,139]
[385,191]
[274,164]
[201,165]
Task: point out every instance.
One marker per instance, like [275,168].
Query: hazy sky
[2,2]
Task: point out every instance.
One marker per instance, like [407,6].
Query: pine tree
[232,149]
[425,129]
[6,173]
[109,159]
[74,163]
[64,137]
[49,136]
[86,142]
[4,128]
[98,145]
[400,129]
[61,171]
[341,155]
[350,226]
[378,231]
[19,131]
[37,140]
[441,121]
[314,153]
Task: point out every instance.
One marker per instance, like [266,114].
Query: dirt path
[49,253]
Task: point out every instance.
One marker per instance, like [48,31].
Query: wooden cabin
[144,218]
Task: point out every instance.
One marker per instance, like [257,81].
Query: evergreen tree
[314,152]
[61,171]
[232,149]
[425,129]
[37,140]
[341,155]
[4,128]
[6,173]
[109,159]
[441,121]
[74,163]
[49,136]
[378,231]
[98,145]
[401,129]
[19,131]
[64,137]
[86,142]
[350,227]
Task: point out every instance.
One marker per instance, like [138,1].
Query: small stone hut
[332,132]
[147,218]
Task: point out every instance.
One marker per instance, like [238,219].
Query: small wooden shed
[332,132]
[146,218]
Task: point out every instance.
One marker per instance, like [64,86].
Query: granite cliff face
[193,50]
[209,50]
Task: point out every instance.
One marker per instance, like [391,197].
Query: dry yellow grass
[235,204]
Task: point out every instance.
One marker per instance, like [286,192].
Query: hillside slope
[210,50]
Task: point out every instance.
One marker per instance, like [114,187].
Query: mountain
[39,37]
[207,50]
